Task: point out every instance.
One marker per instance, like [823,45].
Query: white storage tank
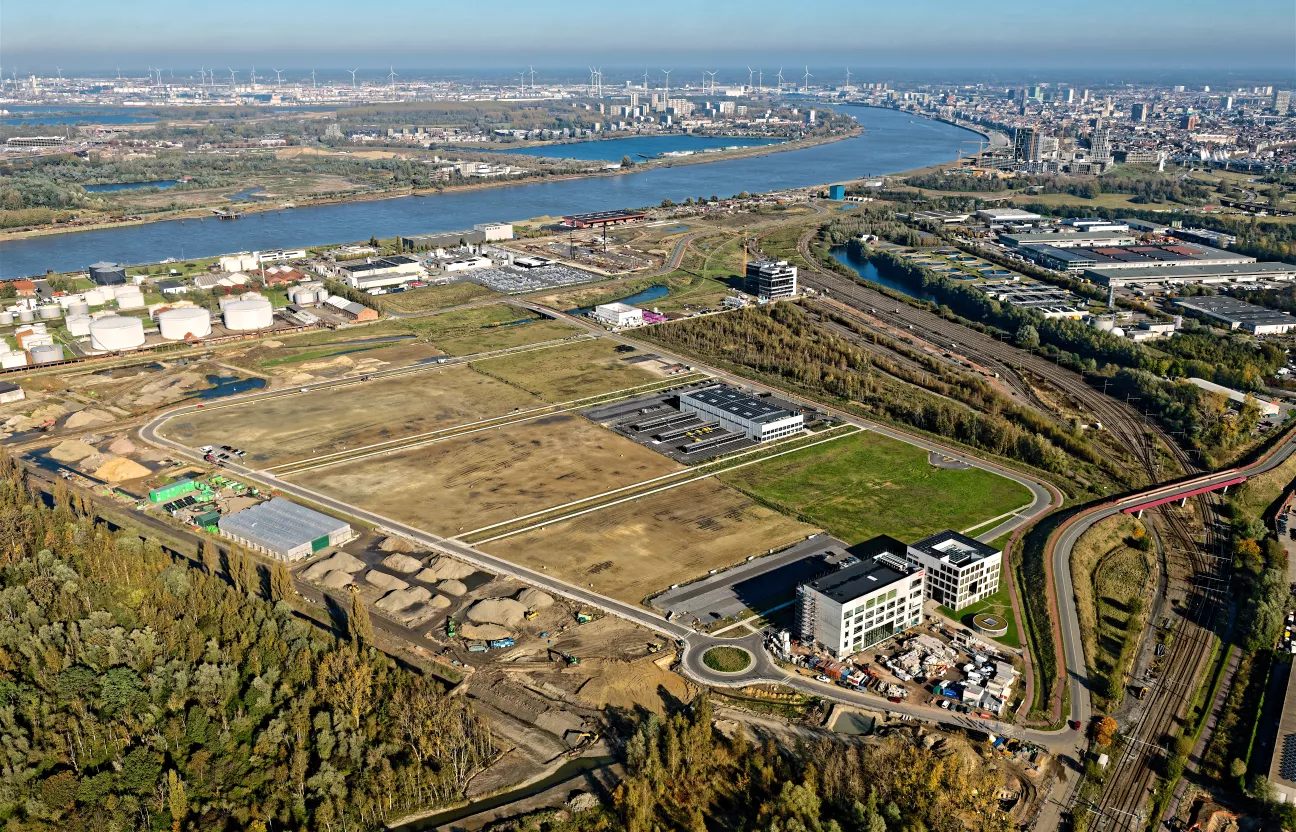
[46,354]
[79,308]
[116,333]
[6,318]
[130,301]
[185,322]
[9,360]
[94,297]
[50,311]
[108,292]
[78,326]
[25,315]
[246,315]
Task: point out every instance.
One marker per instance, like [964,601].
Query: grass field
[571,371]
[495,326]
[298,425]
[868,484]
[685,292]
[997,604]
[632,550]
[430,298]
[469,481]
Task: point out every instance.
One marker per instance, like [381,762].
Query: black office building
[771,279]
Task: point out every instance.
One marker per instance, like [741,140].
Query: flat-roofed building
[1004,216]
[494,231]
[1238,314]
[1185,275]
[759,418]
[448,239]
[377,272]
[1267,408]
[1282,765]
[771,279]
[619,314]
[1131,257]
[284,530]
[1073,239]
[960,570]
[863,603]
[601,219]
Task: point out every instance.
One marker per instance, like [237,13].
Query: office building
[284,530]
[1100,152]
[1189,122]
[771,279]
[1282,102]
[1026,146]
[761,419]
[377,272]
[864,603]
[618,314]
[960,569]
[1139,112]
[1238,314]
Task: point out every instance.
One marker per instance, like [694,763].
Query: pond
[228,386]
[869,272]
[648,295]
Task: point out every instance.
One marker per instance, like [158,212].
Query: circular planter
[727,659]
[995,626]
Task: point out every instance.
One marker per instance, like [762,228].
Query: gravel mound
[88,417]
[484,631]
[384,581]
[337,579]
[455,588]
[534,599]
[397,544]
[340,562]
[71,450]
[402,598]
[122,446]
[449,569]
[121,469]
[504,611]
[401,563]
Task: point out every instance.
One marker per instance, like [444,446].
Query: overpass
[1182,496]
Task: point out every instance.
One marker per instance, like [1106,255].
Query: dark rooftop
[869,575]
[958,547]
[735,401]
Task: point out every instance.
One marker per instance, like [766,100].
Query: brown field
[569,372]
[299,425]
[470,481]
[632,550]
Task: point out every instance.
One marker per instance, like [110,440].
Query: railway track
[1121,806]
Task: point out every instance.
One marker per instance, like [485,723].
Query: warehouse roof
[279,525]
[740,404]
[1275,271]
[1236,313]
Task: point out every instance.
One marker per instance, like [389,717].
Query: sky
[1238,36]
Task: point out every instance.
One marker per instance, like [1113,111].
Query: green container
[170,491]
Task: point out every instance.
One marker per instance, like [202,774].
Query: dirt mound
[397,544]
[341,562]
[337,579]
[71,450]
[534,599]
[622,684]
[85,418]
[122,446]
[384,581]
[455,588]
[503,611]
[272,344]
[485,631]
[401,563]
[427,576]
[121,469]
[402,598]
[449,569]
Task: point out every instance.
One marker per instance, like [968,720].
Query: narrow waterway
[892,141]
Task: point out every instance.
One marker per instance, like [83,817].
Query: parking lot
[512,280]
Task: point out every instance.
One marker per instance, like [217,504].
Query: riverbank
[204,212]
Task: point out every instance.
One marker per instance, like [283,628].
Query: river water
[892,142]
[637,148]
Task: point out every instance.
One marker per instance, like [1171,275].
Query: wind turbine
[252,80]
[760,79]
[352,71]
[233,80]
[313,79]
[59,70]
[666,91]
[807,77]
[391,79]
[645,80]
[278,77]
[751,73]
[848,76]
[712,73]
[532,78]
[522,80]
[780,79]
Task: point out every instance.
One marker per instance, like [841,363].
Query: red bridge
[1182,496]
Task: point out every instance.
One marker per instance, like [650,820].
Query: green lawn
[868,484]
[727,659]
[998,604]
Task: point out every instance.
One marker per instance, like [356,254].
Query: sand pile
[534,599]
[484,631]
[340,562]
[122,446]
[71,450]
[448,569]
[272,344]
[503,611]
[416,614]
[384,581]
[88,417]
[337,579]
[454,588]
[402,598]
[401,563]
[622,684]
[337,362]
[121,469]
[397,544]
[166,389]
[46,412]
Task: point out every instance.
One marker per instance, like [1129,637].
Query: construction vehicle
[531,614]
[566,658]
[500,643]
[583,617]
[452,628]
[477,648]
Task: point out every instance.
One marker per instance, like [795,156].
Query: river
[637,147]
[892,142]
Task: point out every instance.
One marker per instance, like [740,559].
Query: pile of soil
[504,611]
[484,631]
[384,581]
[88,417]
[397,544]
[336,579]
[621,684]
[121,469]
[449,569]
[122,446]
[402,598]
[71,450]
[340,562]
[454,588]
[534,599]
[401,563]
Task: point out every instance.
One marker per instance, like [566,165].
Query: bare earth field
[299,425]
[632,550]
[467,482]
[574,371]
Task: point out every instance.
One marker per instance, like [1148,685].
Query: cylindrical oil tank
[79,308]
[185,322]
[25,315]
[126,300]
[78,326]
[246,315]
[46,354]
[6,318]
[116,333]
[108,292]
[50,311]
[94,297]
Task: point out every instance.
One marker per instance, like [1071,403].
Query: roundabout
[725,659]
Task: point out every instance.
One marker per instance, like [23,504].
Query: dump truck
[477,648]
[452,627]
[498,643]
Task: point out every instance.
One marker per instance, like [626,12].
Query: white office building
[960,570]
[761,419]
[864,603]
[494,231]
[618,314]
[377,272]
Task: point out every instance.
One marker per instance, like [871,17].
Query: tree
[668,203]
[627,162]
[177,800]
[359,627]
[1028,337]
[281,585]
[1105,730]
[345,680]
[236,567]
[211,557]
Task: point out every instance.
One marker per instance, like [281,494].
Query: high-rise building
[771,279]
[1138,112]
[1100,146]
[1282,102]
[1068,95]
[1026,144]
[1189,122]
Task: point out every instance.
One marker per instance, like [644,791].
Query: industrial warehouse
[284,530]
[1238,314]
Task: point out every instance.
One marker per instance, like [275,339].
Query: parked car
[822,678]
